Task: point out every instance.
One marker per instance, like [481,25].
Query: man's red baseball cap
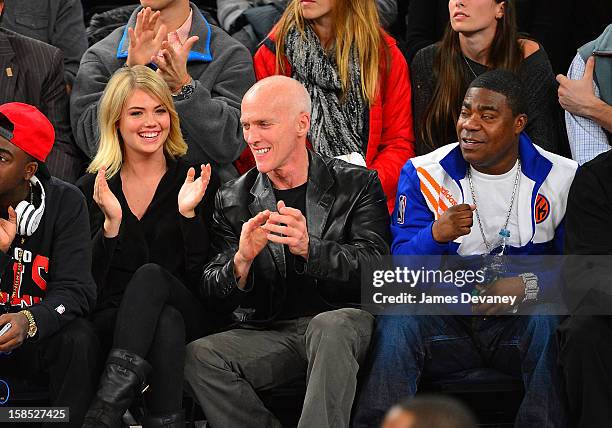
[27,128]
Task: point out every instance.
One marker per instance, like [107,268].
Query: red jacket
[391,136]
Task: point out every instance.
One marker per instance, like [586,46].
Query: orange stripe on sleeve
[429,178]
[430,198]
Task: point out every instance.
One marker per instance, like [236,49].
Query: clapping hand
[193,190]
[253,239]
[109,205]
[288,227]
[172,65]
[8,230]
[145,39]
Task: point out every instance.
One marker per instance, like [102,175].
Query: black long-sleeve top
[545,123]
[162,236]
[54,282]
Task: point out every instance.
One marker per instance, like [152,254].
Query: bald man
[290,236]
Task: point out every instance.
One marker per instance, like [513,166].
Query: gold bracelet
[32,329]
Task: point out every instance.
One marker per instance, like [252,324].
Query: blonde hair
[356,24]
[119,88]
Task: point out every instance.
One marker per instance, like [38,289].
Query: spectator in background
[206,70]
[56,22]
[249,21]
[586,96]
[482,35]
[429,412]
[361,109]
[560,29]
[33,73]
[150,243]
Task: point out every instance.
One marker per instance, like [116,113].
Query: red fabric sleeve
[396,143]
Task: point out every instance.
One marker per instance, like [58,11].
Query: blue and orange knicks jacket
[430,184]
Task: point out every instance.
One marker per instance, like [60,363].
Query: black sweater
[545,124]
[56,283]
[161,236]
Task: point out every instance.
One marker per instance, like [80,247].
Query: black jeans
[158,315]
[69,357]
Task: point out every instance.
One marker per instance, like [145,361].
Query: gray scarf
[336,126]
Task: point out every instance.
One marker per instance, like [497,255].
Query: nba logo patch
[401,209]
[542,208]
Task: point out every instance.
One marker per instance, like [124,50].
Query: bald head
[283,92]
[275,117]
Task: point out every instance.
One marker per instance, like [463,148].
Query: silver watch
[532,289]
[185,92]
[531,286]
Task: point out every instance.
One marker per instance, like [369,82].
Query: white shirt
[493,195]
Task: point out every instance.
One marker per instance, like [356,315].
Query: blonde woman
[357,79]
[149,246]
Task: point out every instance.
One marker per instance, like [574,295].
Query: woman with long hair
[149,245]
[482,35]
[357,79]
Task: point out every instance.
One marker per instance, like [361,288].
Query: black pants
[69,357]
[585,353]
[158,315]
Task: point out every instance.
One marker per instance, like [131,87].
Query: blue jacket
[429,184]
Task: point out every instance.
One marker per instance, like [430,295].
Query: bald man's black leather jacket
[347,222]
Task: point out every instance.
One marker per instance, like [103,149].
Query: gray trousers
[224,370]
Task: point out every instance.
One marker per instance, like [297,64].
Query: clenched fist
[455,222]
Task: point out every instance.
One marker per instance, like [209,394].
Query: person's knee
[348,326]
[149,279]
[543,324]
[202,356]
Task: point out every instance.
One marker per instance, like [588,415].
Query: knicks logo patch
[401,209]
[542,208]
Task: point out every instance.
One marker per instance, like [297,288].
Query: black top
[302,298]
[55,281]
[545,125]
[161,236]
[561,29]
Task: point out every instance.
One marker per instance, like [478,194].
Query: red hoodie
[391,136]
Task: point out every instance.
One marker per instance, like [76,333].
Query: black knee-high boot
[124,377]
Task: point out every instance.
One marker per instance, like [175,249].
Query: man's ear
[519,123]
[303,124]
[29,170]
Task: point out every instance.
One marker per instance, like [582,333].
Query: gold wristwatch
[32,329]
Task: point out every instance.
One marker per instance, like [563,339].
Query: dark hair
[442,112]
[432,411]
[506,83]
